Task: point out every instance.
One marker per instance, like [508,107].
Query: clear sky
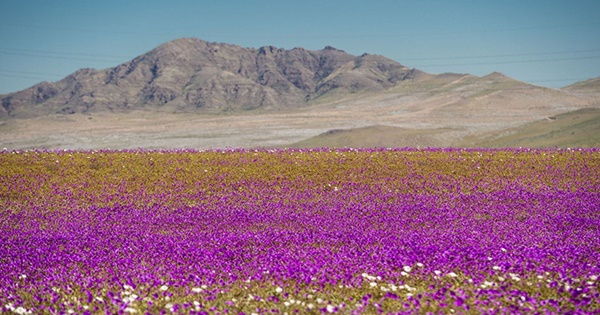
[546,42]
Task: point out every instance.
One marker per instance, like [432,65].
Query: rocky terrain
[195,94]
[191,75]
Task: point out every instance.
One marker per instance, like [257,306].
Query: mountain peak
[332,49]
[497,76]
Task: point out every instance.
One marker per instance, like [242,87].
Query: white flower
[407,268]
[373,284]
[330,308]
[420,264]
[593,277]
[196,290]
[169,306]
[127,287]
[130,298]
[452,274]
[18,310]
[503,249]
[310,306]
[496,268]
[319,300]
[130,310]
[278,289]
[164,288]
[437,272]
[286,303]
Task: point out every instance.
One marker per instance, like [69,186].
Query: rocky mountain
[191,75]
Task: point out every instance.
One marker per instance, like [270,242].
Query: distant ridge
[591,86]
[190,75]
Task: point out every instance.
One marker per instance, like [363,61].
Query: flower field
[370,231]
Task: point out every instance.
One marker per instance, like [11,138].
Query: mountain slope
[579,128]
[372,137]
[189,74]
[591,86]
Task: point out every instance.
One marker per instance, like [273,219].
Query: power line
[320,35]
[53,57]
[61,53]
[34,73]
[36,52]
[504,55]
[42,54]
[23,77]
[507,62]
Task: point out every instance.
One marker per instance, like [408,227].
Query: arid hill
[191,75]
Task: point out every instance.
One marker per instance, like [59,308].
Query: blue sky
[546,42]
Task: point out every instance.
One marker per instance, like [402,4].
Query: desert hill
[579,128]
[591,86]
[379,136]
[271,97]
[191,75]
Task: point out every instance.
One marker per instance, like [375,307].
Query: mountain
[191,75]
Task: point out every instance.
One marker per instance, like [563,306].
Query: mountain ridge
[190,74]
